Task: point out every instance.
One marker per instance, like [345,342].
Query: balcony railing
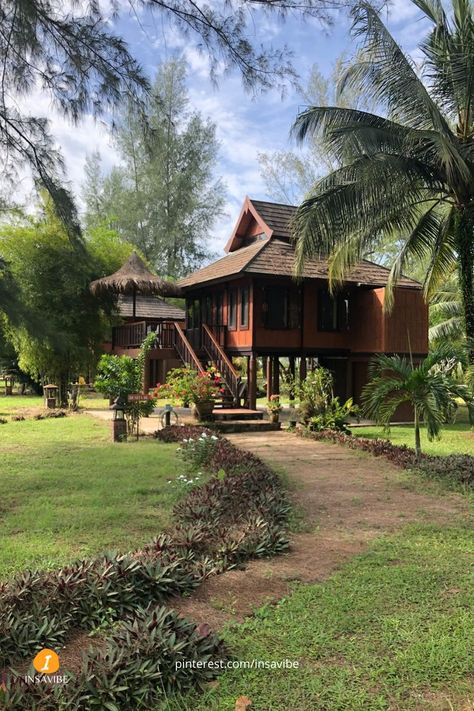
[132,335]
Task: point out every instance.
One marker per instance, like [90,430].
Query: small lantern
[9,382]
[51,393]
[119,423]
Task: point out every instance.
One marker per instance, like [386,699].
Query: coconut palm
[446,315]
[407,173]
[427,387]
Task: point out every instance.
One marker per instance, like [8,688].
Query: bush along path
[239,513]
[454,470]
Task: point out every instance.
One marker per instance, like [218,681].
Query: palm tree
[408,173]
[428,387]
[446,315]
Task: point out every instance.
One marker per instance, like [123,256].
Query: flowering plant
[274,405]
[190,386]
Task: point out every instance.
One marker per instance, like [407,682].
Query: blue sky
[246,125]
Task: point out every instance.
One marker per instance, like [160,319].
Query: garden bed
[238,514]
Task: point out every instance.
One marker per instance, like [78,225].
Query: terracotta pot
[203,410]
[273,416]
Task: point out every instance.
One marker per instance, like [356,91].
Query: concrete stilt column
[252,382]
[292,377]
[276,376]
[269,378]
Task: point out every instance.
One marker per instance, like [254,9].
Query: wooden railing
[166,335]
[130,335]
[229,374]
[185,351]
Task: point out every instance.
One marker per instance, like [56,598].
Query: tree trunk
[465,248]
[417,434]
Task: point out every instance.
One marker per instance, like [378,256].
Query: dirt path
[346,498]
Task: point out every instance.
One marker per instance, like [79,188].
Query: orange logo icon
[46,662]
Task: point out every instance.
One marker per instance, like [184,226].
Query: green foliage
[406,173]
[120,376]
[428,388]
[59,331]
[163,196]
[319,408]
[187,385]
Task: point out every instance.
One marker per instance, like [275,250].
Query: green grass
[455,438]
[392,631]
[68,491]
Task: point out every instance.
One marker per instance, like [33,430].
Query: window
[232,315]
[207,310]
[218,309]
[333,311]
[276,307]
[244,308]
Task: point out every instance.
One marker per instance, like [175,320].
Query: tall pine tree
[163,196]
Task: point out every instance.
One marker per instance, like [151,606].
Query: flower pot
[203,410]
[274,416]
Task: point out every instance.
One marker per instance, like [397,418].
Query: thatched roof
[134,276]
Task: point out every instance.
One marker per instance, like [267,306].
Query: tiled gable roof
[148,307]
[277,216]
[275,255]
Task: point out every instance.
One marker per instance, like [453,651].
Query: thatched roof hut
[132,278]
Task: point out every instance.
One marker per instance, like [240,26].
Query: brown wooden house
[249,304]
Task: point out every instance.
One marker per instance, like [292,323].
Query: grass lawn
[392,631]
[455,439]
[68,491]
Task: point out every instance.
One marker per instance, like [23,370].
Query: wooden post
[292,379]
[252,382]
[302,369]
[269,378]
[276,375]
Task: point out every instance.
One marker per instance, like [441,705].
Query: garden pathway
[343,498]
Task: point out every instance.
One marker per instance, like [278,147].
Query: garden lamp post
[119,423]
[51,393]
[9,382]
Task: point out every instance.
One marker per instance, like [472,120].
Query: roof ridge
[270,202]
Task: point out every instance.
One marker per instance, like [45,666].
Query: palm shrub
[406,173]
[428,387]
[319,408]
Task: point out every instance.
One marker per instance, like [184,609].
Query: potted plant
[201,389]
[274,408]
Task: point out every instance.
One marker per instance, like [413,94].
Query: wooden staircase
[211,353]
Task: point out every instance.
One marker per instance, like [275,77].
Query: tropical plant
[188,385]
[120,376]
[406,173]
[428,387]
[319,408]
[446,315]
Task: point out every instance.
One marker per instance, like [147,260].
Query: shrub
[196,452]
[319,408]
[455,468]
[134,668]
[178,433]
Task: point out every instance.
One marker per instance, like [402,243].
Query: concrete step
[228,426]
[236,413]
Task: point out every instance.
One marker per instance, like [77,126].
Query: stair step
[228,426]
[236,413]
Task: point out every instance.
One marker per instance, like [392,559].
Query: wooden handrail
[185,350]
[215,352]
[218,348]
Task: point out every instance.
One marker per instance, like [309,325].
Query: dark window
[232,316]
[208,310]
[218,309]
[333,311]
[276,307]
[244,308]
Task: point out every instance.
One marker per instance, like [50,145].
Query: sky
[246,124]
